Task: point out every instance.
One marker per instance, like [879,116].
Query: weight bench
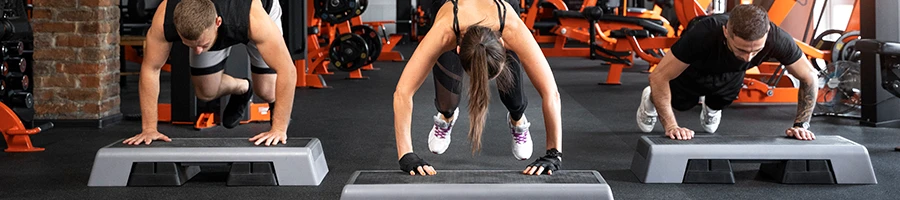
[654,26]
[299,162]
[890,64]
[707,159]
[476,184]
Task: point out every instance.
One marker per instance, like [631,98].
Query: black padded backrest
[567,14]
[875,46]
[649,25]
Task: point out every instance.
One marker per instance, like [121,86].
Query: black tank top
[501,11]
[235,28]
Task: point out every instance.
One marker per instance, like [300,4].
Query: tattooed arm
[806,98]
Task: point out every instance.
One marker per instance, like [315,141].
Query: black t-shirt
[712,64]
[235,28]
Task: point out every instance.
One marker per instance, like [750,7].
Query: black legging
[448,73]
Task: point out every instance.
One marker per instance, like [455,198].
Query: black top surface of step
[752,140]
[478,177]
[212,142]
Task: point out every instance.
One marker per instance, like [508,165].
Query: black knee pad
[261,70]
[208,70]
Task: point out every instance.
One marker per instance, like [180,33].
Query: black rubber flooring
[354,121]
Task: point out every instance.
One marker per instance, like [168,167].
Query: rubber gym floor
[354,120]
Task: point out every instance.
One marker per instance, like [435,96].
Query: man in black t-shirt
[209,28]
[708,64]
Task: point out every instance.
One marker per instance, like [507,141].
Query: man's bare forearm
[806,100]
[285,84]
[662,100]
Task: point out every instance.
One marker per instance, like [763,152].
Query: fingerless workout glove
[410,162]
[551,162]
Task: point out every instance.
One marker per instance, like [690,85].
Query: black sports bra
[501,11]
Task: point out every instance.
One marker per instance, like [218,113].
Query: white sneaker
[709,118]
[439,137]
[521,143]
[646,112]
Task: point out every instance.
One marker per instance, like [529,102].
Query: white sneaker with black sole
[646,113]
[439,137]
[709,118]
[521,143]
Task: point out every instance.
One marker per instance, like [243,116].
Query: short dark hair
[749,22]
[192,17]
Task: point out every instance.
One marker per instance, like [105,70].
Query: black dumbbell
[17,81]
[20,99]
[13,48]
[16,62]
[3,71]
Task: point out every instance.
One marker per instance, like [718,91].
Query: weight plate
[839,45]
[372,40]
[363,4]
[337,11]
[348,52]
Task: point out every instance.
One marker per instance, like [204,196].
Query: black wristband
[553,152]
[411,161]
[551,162]
[804,125]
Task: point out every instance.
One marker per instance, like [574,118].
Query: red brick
[81,68]
[112,66]
[43,67]
[80,40]
[80,15]
[111,78]
[54,108]
[43,40]
[59,80]
[89,81]
[112,39]
[43,94]
[96,27]
[89,14]
[81,95]
[99,3]
[112,14]
[97,54]
[54,54]
[55,3]
[42,14]
[90,108]
[110,106]
[110,90]
[53,27]
[103,108]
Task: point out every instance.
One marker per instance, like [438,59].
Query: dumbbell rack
[16,99]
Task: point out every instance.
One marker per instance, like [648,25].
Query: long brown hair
[484,58]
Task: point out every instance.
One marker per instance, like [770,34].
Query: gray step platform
[299,162]
[663,160]
[476,184]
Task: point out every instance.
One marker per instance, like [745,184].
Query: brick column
[76,62]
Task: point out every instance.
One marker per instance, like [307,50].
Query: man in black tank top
[708,64]
[209,28]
